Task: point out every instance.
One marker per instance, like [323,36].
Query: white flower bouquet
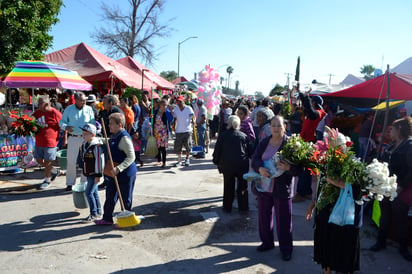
[380,183]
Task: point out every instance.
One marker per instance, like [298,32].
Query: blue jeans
[92,196]
[201,130]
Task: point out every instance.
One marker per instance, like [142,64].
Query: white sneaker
[187,162]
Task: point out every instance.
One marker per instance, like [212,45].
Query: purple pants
[283,212]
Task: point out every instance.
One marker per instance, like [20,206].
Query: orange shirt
[129,115]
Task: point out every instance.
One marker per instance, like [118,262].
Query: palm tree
[229,71]
[221,80]
[237,85]
[367,71]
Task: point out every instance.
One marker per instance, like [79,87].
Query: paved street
[184,230]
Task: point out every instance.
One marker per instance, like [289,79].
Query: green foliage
[169,75]
[297,151]
[329,193]
[129,91]
[367,71]
[259,95]
[277,90]
[25,27]
[286,110]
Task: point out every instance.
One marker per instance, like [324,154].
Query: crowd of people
[248,133]
[263,132]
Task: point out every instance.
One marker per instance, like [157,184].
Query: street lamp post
[143,70]
[178,53]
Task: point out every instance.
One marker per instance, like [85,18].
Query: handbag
[343,212]
[108,168]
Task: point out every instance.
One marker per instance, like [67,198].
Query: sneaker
[102,222]
[187,162]
[43,185]
[90,218]
[68,188]
[263,247]
[178,164]
[54,175]
[286,256]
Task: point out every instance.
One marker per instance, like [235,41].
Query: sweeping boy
[92,163]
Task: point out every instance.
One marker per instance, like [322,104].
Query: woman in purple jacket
[278,197]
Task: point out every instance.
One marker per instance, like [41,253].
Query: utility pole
[287,83]
[330,77]
[288,79]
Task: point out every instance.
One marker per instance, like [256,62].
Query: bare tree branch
[132,33]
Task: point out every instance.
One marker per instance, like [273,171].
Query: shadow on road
[44,229]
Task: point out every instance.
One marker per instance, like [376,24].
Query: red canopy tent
[149,75]
[400,88]
[389,86]
[179,80]
[94,66]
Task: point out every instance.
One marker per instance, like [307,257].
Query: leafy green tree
[277,90]
[132,32]
[169,75]
[367,71]
[259,95]
[24,30]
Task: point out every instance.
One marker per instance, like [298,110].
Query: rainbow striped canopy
[38,74]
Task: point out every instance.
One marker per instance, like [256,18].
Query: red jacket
[309,126]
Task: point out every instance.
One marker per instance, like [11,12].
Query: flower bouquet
[380,184]
[340,162]
[298,152]
[24,125]
[337,160]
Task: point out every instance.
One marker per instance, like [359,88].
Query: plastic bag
[343,212]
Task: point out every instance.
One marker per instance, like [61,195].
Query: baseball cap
[200,101]
[180,98]
[89,128]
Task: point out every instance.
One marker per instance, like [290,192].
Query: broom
[125,218]
[151,147]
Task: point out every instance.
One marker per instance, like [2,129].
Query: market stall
[16,146]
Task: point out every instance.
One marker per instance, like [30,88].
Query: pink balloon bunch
[209,90]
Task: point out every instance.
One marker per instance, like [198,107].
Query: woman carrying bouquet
[336,247]
[278,197]
[399,156]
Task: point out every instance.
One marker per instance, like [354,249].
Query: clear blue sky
[261,39]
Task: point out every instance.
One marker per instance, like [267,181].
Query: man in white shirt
[184,118]
[74,117]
